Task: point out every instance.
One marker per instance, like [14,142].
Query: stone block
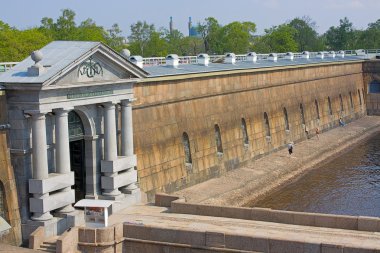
[236,212]
[164,200]
[121,179]
[325,220]
[347,222]
[191,237]
[53,183]
[246,243]
[87,235]
[137,231]
[261,214]
[328,248]
[356,250]
[305,219]
[122,163]
[282,216]
[105,234]
[368,223]
[52,202]
[283,246]
[215,239]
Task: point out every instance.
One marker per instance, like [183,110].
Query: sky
[265,13]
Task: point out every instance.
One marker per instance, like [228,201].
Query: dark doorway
[77,157]
[77,165]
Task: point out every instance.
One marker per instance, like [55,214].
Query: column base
[119,197]
[66,209]
[41,216]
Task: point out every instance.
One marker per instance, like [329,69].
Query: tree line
[296,35]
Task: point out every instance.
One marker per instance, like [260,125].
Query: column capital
[66,109]
[110,104]
[127,102]
[34,113]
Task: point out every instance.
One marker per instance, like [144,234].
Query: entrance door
[77,165]
[77,157]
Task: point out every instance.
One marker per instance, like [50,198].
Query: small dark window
[186,147]
[374,87]
[317,109]
[245,133]
[329,103]
[352,103]
[360,97]
[302,114]
[218,138]
[286,119]
[267,127]
[341,103]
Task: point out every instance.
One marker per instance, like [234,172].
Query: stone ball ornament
[36,56]
[125,52]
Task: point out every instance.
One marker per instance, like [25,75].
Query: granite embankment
[243,186]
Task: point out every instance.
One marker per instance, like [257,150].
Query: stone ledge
[122,163]
[54,182]
[52,202]
[122,179]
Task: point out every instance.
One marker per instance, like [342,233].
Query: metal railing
[156,61]
[5,66]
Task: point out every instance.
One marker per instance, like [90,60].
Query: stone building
[63,106]
[72,134]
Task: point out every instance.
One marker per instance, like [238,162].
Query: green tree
[175,41]
[237,37]
[306,36]
[65,27]
[369,38]
[279,39]
[342,36]
[141,33]
[114,38]
[89,31]
[15,45]
[210,33]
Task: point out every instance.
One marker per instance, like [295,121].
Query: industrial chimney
[171,25]
[189,25]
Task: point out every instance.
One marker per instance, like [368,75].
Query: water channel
[349,184]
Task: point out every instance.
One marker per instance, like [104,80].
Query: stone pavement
[240,187]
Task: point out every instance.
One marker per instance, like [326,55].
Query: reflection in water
[350,184]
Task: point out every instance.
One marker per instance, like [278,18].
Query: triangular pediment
[99,65]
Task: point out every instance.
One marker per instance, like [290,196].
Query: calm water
[350,184]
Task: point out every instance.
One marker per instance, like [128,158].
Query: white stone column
[62,148]
[40,161]
[127,138]
[126,128]
[110,142]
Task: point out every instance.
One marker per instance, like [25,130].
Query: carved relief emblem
[90,68]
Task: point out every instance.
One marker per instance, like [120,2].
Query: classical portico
[65,104]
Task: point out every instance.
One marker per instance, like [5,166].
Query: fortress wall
[168,107]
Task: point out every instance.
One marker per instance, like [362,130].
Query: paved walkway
[240,187]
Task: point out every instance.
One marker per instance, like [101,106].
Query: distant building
[193,30]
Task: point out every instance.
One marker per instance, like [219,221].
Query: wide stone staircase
[49,245]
